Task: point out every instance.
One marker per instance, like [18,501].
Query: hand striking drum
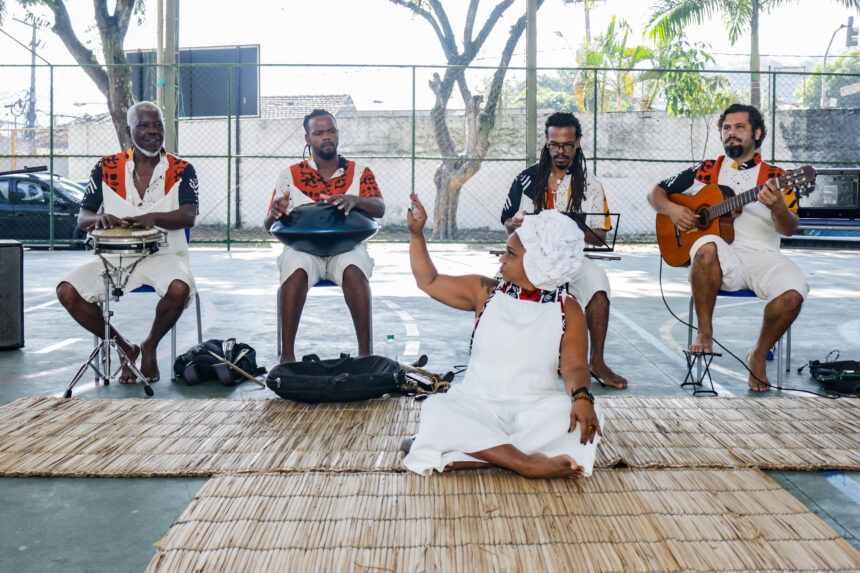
[134,201]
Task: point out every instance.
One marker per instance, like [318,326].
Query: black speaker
[11,295]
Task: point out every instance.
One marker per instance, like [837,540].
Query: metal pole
[531,81]
[824,102]
[171,76]
[594,129]
[772,117]
[229,146]
[413,129]
[51,160]
[159,54]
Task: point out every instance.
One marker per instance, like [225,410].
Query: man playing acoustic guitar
[753,260]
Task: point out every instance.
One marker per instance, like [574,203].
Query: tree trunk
[755,60]
[114,80]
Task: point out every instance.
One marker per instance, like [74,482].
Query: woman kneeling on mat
[509,411]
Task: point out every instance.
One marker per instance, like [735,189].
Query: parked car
[25,206]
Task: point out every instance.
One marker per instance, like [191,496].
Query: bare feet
[542,466]
[605,375]
[758,367]
[703,343]
[149,363]
[126,376]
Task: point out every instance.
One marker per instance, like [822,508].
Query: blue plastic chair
[147,288]
[746,293]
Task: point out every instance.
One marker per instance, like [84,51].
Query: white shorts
[324,268]
[589,280]
[767,273]
[157,271]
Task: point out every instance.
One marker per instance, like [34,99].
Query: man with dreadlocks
[560,181]
[329,177]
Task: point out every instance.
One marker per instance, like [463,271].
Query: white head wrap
[554,245]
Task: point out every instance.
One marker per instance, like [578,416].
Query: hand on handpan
[281,205]
[146,221]
[582,411]
[343,202]
[416,216]
[107,221]
[771,196]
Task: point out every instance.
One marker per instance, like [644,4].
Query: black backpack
[341,379]
[841,376]
[198,365]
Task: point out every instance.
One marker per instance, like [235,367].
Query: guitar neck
[738,201]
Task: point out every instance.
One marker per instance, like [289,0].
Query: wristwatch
[582,394]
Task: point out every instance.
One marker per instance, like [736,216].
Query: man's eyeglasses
[566,147]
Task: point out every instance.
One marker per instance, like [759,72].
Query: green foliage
[691,94]
[809,92]
[612,50]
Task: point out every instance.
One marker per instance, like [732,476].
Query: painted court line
[413,342]
[58,345]
[43,305]
[843,483]
[656,343]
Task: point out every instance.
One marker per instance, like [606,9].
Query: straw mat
[617,520]
[138,437]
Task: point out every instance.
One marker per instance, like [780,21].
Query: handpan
[323,230]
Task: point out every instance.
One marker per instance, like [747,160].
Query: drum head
[323,230]
[125,240]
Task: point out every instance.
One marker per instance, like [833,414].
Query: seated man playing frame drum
[143,187]
[509,410]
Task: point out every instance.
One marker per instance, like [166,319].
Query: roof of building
[274,107]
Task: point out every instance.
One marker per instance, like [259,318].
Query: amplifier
[11,295]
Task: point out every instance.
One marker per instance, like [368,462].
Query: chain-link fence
[639,127]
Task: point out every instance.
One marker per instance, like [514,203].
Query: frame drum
[126,241]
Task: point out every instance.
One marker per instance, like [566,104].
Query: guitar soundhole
[703,218]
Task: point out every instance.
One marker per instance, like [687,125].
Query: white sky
[378,32]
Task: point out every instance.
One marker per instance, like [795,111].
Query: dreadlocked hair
[579,169]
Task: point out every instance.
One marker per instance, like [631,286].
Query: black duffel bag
[341,379]
[198,365]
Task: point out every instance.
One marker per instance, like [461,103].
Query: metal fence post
[51,160]
[594,130]
[229,146]
[413,130]
[772,117]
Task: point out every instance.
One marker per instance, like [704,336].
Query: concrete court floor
[93,524]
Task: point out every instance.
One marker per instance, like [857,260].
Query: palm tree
[670,17]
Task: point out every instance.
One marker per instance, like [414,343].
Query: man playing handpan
[329,177]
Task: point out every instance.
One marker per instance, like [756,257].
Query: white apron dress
[510,393]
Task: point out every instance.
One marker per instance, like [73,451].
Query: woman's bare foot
[606,376]
[542,466]
[126,376]
[758,367]
[703,343]
[149,363]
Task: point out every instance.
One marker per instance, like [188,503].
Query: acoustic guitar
[714,205]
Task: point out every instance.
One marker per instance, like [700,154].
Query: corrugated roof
[275,107]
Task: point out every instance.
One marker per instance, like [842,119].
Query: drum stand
[99,358]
